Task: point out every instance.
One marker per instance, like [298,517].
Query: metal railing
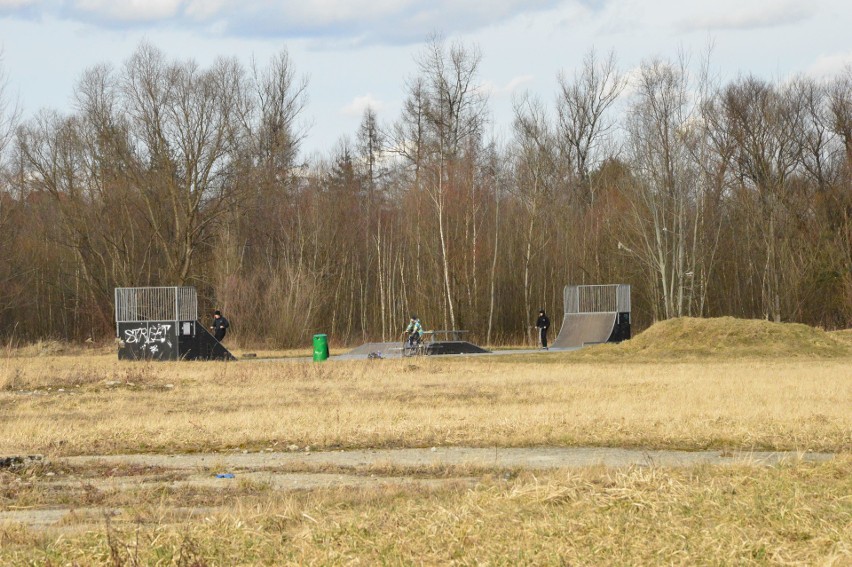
[134,304]
[610,298]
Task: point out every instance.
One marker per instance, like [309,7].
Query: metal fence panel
[136,304]
[610,298]
[187,304]
[623,298]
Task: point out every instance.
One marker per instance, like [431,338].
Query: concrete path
[525,458]
[397,354]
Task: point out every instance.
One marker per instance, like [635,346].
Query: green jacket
[414,326]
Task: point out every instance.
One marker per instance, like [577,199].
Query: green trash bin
[320,348]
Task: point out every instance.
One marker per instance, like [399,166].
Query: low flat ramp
[579,329]
[391,350]
[382,348]
[454,347]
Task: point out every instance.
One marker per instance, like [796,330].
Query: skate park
[593,314]
[298,440]
[162,323]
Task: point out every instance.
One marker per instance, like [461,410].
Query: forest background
[709,198]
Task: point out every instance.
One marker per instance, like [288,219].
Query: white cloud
[827,66]
[359,104]
[372,22]
[204,9]
[515,83]
[331,12]
[127,11]
[632,82]
[741,15]
[337,21]
[15,4]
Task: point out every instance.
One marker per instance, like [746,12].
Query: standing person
[414,330]
[220,325]
[542,324]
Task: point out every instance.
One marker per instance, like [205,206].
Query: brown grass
[683,384]
[68,405]
[796,514]
[844,335]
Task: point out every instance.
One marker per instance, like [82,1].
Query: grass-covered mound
[727,337]
[845,335]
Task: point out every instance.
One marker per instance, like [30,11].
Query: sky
[356,53]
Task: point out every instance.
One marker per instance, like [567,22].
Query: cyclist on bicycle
[414,330]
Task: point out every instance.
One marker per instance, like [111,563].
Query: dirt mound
[730,337]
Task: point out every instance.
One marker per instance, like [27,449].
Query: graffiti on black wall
[152,338]
[149,340]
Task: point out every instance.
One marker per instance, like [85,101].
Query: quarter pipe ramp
[579,329]
[594,314]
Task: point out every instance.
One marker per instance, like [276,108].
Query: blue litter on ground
[225,475]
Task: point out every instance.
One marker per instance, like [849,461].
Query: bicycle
[413,346]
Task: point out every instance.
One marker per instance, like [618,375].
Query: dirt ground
[303,469]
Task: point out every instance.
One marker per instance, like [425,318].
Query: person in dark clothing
[220,326]
[542,324]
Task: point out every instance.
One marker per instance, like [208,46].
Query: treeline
[710,199]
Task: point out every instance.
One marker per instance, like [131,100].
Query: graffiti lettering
[153,334]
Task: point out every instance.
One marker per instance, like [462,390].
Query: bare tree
[183,122]
[9,118]
[766,124]
[582,105]
[370,145]
[276,99]
[840,96]
[840,120]
[537,175]
[455,114]
[663,198]
[731,199]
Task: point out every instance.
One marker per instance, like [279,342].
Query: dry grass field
[75,405]
[690,385]
[792,515]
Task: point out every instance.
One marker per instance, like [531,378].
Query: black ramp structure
[454,347]
[449,342]
[383,349]
[594,314]
[161,323]
[429,346]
